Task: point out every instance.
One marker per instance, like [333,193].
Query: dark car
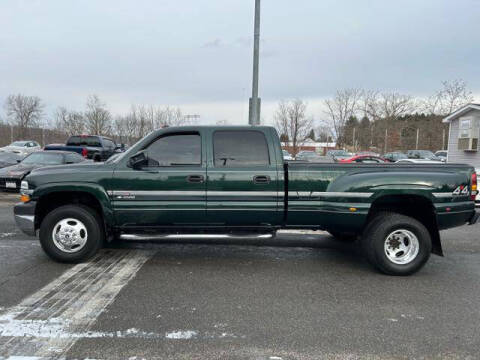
[9,159]
[422,154]
[11,176]
[97,148]
[312,156]
[394,156]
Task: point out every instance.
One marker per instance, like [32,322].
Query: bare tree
[453,95]
[24,112]
[70,122]
[98,119]
[169,116]
[340,108]
[292,122]
[392,105]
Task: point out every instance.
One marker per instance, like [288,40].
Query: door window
[240,149]
[175,150]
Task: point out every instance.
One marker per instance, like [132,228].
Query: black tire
[376,234]
[343,237]
[95,233]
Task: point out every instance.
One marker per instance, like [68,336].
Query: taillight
[84,152]
[474,186]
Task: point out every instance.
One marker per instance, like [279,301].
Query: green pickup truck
[232,182]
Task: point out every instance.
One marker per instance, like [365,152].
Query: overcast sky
[197,54]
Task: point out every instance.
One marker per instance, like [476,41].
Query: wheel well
[416,206]
[51,201]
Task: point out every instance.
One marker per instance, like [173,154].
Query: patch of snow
[187,334]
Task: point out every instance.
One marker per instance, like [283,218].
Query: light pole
[254,103]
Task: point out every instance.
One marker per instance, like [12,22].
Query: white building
[463,135]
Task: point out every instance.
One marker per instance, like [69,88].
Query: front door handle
[195,178]
[261,179]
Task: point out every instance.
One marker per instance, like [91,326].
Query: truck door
[243,179]
[169,190]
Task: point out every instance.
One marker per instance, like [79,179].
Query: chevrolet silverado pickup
[232,182]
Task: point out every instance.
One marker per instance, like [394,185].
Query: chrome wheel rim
[401,246]
[69,235]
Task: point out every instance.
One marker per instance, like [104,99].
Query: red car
[365,159]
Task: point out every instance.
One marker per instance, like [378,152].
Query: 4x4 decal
[461,190]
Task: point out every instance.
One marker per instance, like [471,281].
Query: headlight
[24,185]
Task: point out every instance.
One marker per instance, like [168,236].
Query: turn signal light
[24,198]
[474,187]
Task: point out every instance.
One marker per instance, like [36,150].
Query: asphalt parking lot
[294,297]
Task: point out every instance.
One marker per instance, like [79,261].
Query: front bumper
[24,214]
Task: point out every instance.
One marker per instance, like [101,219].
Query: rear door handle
[195,178]
[261,179]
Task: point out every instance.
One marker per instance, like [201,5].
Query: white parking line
[49,322]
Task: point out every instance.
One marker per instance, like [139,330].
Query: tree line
[26,118]
[358,119]
[355,119]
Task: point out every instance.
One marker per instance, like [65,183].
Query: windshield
[116,159]
[92,141]
[6,157]
[400,156]
[18,143]
[43,158]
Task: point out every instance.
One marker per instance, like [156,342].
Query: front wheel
[71,234]
[396,244]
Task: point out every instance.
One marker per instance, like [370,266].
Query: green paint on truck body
[316,195]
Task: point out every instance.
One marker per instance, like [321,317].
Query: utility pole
[353,140]
[416,143]
[386,137]
[254,103]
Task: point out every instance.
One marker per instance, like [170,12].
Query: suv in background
[422,154]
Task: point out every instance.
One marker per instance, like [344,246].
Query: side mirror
[19,161]
[138,160]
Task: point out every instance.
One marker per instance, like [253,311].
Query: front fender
[99,192]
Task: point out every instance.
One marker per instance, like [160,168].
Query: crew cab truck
[232,182]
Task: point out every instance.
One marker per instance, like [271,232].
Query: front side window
[240,148]
[175,150]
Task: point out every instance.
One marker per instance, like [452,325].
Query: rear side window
[175,150]
[84,141]
[240,149]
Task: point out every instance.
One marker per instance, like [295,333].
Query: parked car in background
[394,156]
[422,154]
[286,155]
[338,154]
[22,147]
[311,156]
[363,159]
[97,148]
[442,155]
[9,159]
[11,176]
[419,161]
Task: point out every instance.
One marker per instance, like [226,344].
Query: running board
[146,237]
